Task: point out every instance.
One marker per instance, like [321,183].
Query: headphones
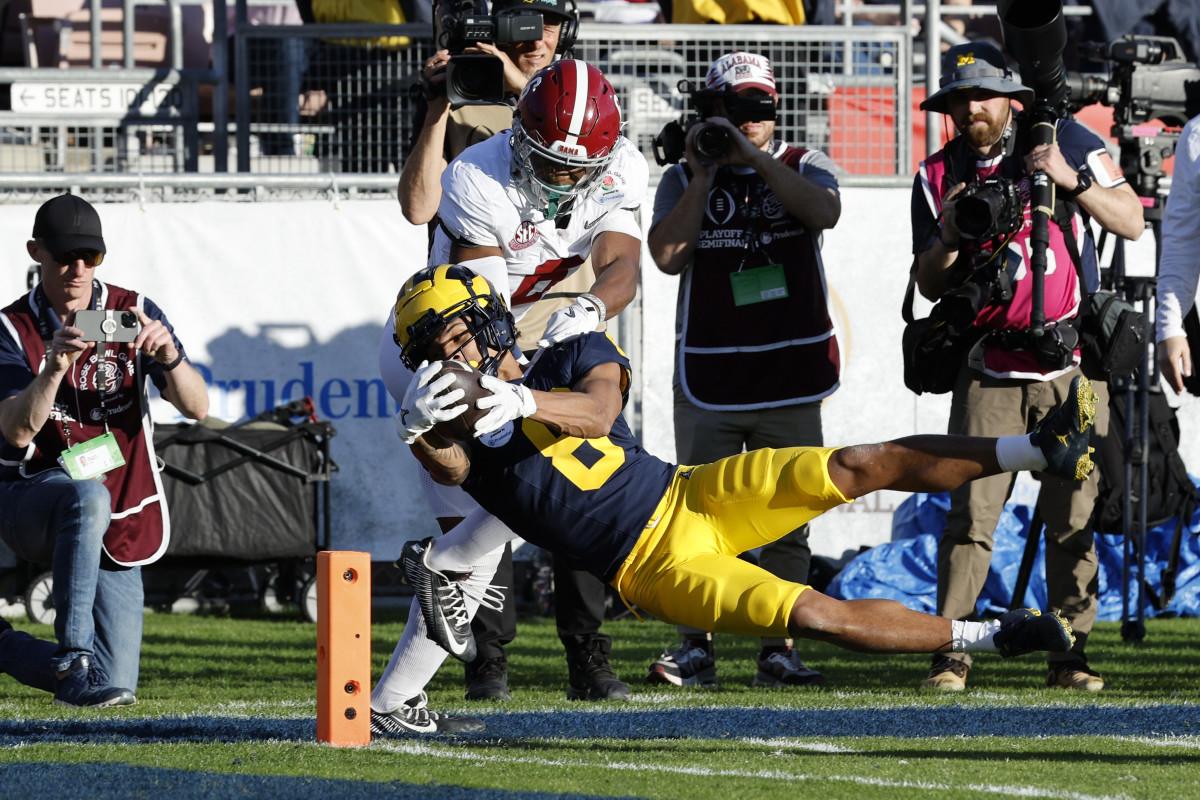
[569,32]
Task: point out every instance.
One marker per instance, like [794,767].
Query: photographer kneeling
[79,484]
[1012,379]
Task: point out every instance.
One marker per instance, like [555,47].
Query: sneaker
[691,663]
[946,675]
[1064,433]
[441,600]
[589,675]
[783,667]
[1025,630]
[1075,675]
[487,679]
[414,717]
[86,685]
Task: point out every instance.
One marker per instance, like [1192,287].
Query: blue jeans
[53,519]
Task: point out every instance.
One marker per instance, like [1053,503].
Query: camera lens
[711,142]
[128,319]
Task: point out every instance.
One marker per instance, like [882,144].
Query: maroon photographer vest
[140,527]
[775,352]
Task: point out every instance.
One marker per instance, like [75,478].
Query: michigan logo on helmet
[434,296]
[564,133]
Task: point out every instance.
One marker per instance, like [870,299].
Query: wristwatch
[1085,183]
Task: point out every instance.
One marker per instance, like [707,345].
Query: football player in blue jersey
[553,458]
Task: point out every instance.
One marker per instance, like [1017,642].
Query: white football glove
[507,401]
[424,406]
[582,316]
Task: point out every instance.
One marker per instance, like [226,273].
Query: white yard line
[1013,791]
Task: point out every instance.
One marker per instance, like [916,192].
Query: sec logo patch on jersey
[526,236]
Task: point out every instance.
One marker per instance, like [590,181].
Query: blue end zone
[698,723]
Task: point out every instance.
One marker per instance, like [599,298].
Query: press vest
[140,527]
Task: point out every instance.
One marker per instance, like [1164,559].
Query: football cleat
[414,717]
[441,597]
[1025,630]
[1064,433]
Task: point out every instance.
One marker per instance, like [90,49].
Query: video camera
[478,78]
[1149,80]
[712,141]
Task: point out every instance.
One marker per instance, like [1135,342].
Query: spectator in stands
[1011,377]
[1179,270]
[628,11]
[79,485]
[579,598]
[275,67]
[362,83]
[756,351]
[729,12]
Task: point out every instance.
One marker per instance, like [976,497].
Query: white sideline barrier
[278,300]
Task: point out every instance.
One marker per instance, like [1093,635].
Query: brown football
[462,427]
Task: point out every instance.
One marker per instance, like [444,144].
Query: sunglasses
[90,257]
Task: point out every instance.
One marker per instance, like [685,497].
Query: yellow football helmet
[434,296]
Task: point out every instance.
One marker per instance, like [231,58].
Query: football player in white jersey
[525,208]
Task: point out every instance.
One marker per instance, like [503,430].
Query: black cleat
[1064,433]
[414,717]
[441,601]
[1025,630]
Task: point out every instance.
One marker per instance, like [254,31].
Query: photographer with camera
[741,222]
[79,485]
[973,249]
[444,131]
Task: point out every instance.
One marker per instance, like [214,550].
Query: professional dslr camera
[990,208]
[712,141]
[478,78]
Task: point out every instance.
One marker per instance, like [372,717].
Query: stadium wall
[277,300]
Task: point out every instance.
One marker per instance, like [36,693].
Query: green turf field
[227,708]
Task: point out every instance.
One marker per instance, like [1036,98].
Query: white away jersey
[482,204]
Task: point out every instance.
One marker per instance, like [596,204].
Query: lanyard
[49,322]
[753,203]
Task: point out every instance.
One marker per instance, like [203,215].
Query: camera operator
[741,223]
[1013,378]
[444,132]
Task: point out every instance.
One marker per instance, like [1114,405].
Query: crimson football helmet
[564,133]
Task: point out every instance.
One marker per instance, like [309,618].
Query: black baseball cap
[66,223]
[976,65]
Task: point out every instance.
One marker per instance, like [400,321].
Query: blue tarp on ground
[905,569]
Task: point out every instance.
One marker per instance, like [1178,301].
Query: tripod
[1143,151]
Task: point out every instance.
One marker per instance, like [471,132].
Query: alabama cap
[739,70]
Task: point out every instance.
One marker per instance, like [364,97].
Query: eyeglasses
[88,256]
